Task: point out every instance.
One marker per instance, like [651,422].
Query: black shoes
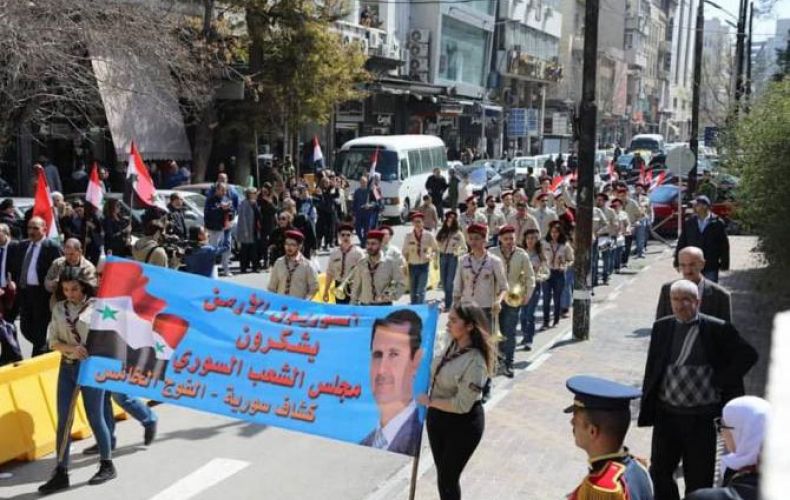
[59,481]
[149,433]
[106,472]
[508,371]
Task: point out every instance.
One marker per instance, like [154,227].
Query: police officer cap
[593,393]
[703,199]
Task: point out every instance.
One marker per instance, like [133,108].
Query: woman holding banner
[455,418]
[67,334]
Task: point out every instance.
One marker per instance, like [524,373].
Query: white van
[404,163]
[654,143]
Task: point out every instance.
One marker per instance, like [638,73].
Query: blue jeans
[448,264]
[712,275]
[528,315]
[552,289]
[92,401]
[617,258]
[567,293]
[133,406]
[418,276]
[642,232]
[361,221]
[508,320]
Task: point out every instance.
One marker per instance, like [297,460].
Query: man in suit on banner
[396,353]
[714,299]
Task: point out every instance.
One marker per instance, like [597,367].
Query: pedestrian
[530,183]
[608,227]
[618,238]
[544,215]
[52,172]
[176,217]
[430,215]
[202,256]
[706,187]
[540,267]
[522,221]
[92,234]
[342,262]
[714,300]
[455,419]
[471,216]
[67,334]
[292,274]
[420,250]
[9,258]
[707,231]
[326,207]
[494,220]
[453,189]
[508,205]
[601,417]
[148,248]
[218,215]
[377,280]
[549,166]
[376,201]
[742,426]
[38,253]
[277,240]
[8,217]
[644,219]
[72,257]
[436,185]
[452,245]
[695,364]
[559,255]
[249,222]
[360,206]
[567,221]
[78,181]
[521,282]
[268,222]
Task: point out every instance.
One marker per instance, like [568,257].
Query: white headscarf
[747,416]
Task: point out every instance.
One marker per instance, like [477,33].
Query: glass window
[415,163]
[463,52]
[439,159]
[427,164]
[484,6]
[355,163]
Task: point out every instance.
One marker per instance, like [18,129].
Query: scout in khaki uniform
[494,219]
[522,221]
[634,213]
[521,278]
[543,214]
[471,216]
[376,279]
[508,206]
[601,416]
[342,261]
[607,235]
[391,251]
[428,209]
[623,229]
[545,184]
[452,245]
[419,250]
[292,274]
[642,226]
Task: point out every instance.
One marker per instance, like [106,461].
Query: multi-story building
[717,75]
[683,27]
[764,55]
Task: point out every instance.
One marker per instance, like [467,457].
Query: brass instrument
[343,291]
[388,291]
[516,293]
[496,335]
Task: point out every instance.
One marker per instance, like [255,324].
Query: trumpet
[389,290]
[343,291]
[515,295]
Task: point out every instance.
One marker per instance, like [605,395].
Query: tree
[757,149]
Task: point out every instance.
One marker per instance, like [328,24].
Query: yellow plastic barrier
[28,409]
[319,295]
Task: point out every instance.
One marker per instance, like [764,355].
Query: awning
[140,108]
[492,107]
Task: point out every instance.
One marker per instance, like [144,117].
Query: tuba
[343,291]
[515,295]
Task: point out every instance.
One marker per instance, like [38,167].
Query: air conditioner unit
[420,36]
[419,50]
[418,64]
[420,76]
[374,40]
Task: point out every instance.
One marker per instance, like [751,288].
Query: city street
[198,455]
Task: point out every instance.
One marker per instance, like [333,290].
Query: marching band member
[559,256]
[644,219]
[377,280]
[452,244]
[623,228]
[540,268]
[522,221]
[634,213]
[391,251]
[494,219]
[292,273]
[342,261]
[545,184]
[429,211]
[607,231]
[419,249]
[543,214]
[569,193]
[471,216]
[519,272]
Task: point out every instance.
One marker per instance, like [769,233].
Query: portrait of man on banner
[395,356]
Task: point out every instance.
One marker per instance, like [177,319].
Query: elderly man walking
[714,300]
[707,231]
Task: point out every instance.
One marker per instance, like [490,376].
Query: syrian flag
[648,177]
[374,160]
[141,180]
[659,180]
[612,171]
[128,323]
[558,182]
[42,206]
[318,155]
[641,173]
[94,194]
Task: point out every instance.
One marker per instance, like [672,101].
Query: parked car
[664,200]
[493,180]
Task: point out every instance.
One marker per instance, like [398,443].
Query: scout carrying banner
[344,372]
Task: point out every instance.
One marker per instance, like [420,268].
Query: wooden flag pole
[69,422]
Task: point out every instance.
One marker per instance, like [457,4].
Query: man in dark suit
[707,231]
[695,364]
[396,353]
[37,254]
[714,300]
[9,257]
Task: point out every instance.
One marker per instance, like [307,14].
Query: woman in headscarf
[742,427]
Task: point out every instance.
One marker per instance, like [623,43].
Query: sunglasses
[717,422]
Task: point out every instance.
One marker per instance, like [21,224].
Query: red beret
[603,195]
[386,228]
[376,234]
[490,197]
[505,193]
[450,212]
[293,234]
[507,228]
[416,215]
[471,198]
[345,227]
[616,201]
[622,189]
[478,228]
[542,196]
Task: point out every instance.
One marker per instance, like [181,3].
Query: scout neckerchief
[446,358]
[476,274]
[372,271]
[291,271]
[72,322]
[418,237]
[343,262]
[554,253]
[507,259]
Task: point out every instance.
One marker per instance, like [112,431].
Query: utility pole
[208,15]
[582,293]
[739,52]
[748,82]
[695,104]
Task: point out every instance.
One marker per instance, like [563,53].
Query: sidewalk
[528,451]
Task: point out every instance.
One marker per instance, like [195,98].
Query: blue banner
[350,373]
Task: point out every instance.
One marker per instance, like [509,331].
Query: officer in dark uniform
[601,416]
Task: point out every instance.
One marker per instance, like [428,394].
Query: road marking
[536,364]
[215,471]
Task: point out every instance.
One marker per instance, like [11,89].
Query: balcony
[375,43]
[528,67]
[636,58]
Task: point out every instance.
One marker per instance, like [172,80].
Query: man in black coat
[9,260]
[436,185]
[37,254]
[707,231]
[714,300]
[695,365]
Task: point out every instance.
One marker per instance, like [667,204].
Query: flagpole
[69,422]
[415,466]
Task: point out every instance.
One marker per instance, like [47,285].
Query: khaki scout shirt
[494,220]
[371,280]
[633,210]
[569,197]
[479,280]
[612,224]
[293,278]
[341,264]
[391,252]
[59,329]
[508,211]
[600,226]
[465,220]
[422,250]
[623,226]
[549,200]
[460,380]
[518,269]
[558,257]
[646,207]
[522,226]
[544,217]
[430,217]
[454,244]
